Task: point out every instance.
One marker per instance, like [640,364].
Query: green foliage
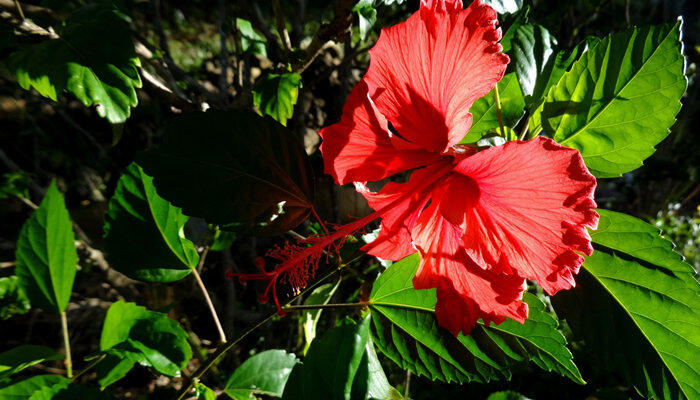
[144,234]
[12,298]
[14,184]
[244,171]
[69,391]
[309,318]
[93,57]
[367,16]
[19,358]
[332,365]
[203,393]
[405,329]
[484,114]
[532,47]
[507,395]
[25,389]
[46,256]
[637,306]
[265,373]
[251,41]
[619,99]
[132,334]
[276,95]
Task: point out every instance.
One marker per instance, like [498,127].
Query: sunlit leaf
[309,318]
[93,58]
[276,95]
[619,99]
[484,114]
[243,171]
[144,234]
[405,329]
[24,389]
[46,256]
[531,48]
[264,373]
[637,307]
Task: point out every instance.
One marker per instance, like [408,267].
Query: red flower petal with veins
[483,221]
[425,73]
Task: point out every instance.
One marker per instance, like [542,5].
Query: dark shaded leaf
[484,114]
[144,236]
[637,307]
[243,170]
[309,318]
[24,390]
[21,357]
[46,256]
[331,366]
[531,48]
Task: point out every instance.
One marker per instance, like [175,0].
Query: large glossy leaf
[24,389]
[12,298]
[532,47]
[81,62]
[144,234]
[233,168]
[637,307]
[331,365]
[264,373]
[276,95]
[46,256]
[133,333]
[19,358]
[484,114]
[405,329]
[619,99]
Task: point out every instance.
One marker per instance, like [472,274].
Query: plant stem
[321,306]
[89,366]
[66,345]
[497,102]
[523,132]
[212,310]
[225,347]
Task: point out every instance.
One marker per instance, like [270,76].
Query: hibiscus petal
[531,203]
[359,148]
[426,72]
[465,292]
[394,239]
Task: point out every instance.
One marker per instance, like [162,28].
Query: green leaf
[531,48]
[619,99]
[276,95]
[19,358]
[251,41]
[93,58]
[264,373]
[46,256]
[637,307]
[331,365]
[12,298]
[506,395]
[378,386]
[113,368]
[242,170]
[405,329]
[505,6]
[150,338]
[309,318]
[144,234]
[551,74]
[203,393]
[14,184]
[484,114]
[23,390]
[367,16]
[69,391]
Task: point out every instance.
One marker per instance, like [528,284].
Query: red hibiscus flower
[483,221]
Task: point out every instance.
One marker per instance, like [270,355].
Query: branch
[329,31]
[281,25]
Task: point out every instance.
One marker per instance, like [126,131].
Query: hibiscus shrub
[456,234]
